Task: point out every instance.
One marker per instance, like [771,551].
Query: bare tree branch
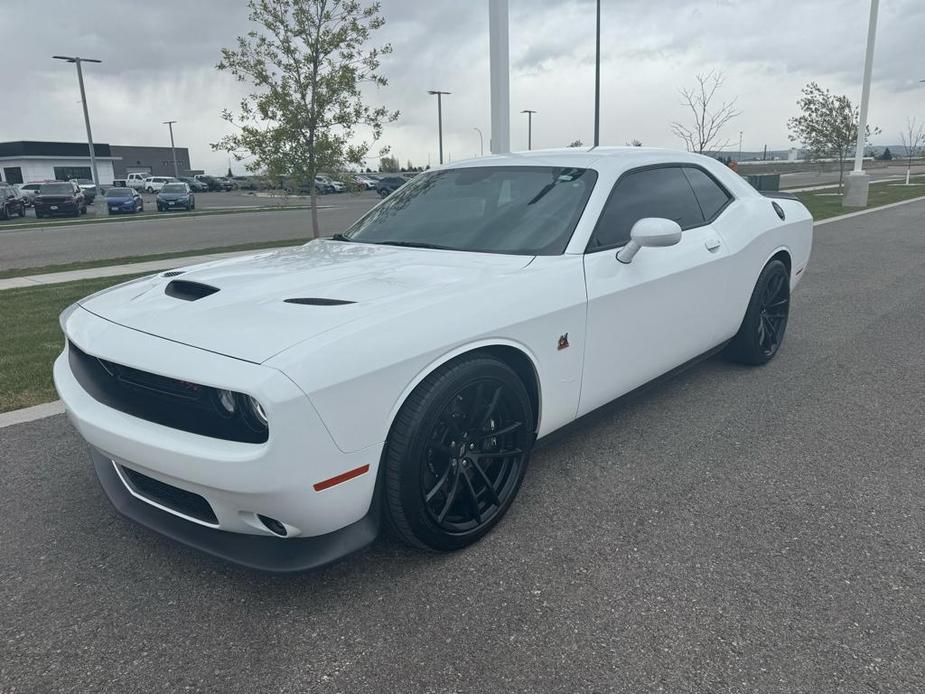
[707,119]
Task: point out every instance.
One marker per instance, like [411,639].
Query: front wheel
[457,454]
[762,330]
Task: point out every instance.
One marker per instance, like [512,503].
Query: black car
[175,196]
[60,198]
[11,202]
[388,185]
[195,186]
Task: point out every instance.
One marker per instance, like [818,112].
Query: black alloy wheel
[762,331]
[457,453]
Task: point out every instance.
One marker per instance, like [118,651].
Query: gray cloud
[159,63]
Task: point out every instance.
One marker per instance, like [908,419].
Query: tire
[4,213]
[22,211]
[432,479]
[762,331]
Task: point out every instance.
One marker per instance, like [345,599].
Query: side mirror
[651,232]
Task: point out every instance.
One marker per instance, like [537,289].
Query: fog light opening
[273,525]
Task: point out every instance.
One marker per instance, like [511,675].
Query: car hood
[248,316]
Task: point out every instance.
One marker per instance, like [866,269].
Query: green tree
[576,143]
[827,126]
[305,61]
[388,165]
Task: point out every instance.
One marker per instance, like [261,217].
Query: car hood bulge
[248,316]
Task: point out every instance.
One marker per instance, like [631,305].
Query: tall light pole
[597,79]
[740,145]
[529,127]
[173,151]
[857,185]
[83,100]
[499,58]
[439,117]
[481,142]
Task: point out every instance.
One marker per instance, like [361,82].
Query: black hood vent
[188,291]
[313,301]
[173,273]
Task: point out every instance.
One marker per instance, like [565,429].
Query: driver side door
[665,307]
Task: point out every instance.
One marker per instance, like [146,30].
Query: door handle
[712,244]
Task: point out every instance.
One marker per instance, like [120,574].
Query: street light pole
[857,185]
[597,79]
[439,118]
[173,151]
[740,145]
[481,142]
[529,127]
[83,100]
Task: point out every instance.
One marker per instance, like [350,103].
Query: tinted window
[118,192]
[57,189]
[660,192]
[174,188]
[525,210]
[710,195]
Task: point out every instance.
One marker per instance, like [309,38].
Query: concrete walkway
[116,270]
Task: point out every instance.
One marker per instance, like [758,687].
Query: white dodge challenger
[274,410]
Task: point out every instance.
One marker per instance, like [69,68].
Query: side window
[660,192]
[711,196]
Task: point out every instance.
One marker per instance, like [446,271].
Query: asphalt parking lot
[728,530]
[37,245]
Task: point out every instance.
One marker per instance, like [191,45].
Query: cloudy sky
[159,58]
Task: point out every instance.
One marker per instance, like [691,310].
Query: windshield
[56,189]
[525,210]
[118,193]
[174,188]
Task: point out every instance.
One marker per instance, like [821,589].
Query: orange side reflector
[342,477]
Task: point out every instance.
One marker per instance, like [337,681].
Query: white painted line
[868,211]
[30,414]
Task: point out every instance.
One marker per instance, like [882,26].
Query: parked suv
[11,202]
[153,184]
[60,197]
[175,196]
[389,185]
[211,182]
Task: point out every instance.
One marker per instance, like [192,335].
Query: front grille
[163,400]
[174,498]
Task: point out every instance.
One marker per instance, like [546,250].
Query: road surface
[730,530]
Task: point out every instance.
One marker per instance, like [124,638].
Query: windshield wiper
[415,244]
[340,237]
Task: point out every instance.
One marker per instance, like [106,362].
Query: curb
[30,414]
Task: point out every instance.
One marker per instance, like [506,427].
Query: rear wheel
[762,331]
[457,454]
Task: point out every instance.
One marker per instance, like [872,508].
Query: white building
[25,161]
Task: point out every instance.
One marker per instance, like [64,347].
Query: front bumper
[240,481]
[272,554]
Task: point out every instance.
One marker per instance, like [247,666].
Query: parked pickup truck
[136,180]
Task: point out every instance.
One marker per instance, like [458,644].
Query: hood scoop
[312,301]
[189,291]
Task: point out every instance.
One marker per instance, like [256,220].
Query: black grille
[169,401]
[179,500]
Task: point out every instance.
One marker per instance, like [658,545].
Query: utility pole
[481,142]
[439,118]
[173,151]
[597,79]
[500,69]
[858,184]
[529,127]
[83,100]
[740,145]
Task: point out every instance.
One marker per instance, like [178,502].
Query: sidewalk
[115,270]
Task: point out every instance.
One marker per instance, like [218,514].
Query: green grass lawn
[822,204]
[30,338]
[84,264]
